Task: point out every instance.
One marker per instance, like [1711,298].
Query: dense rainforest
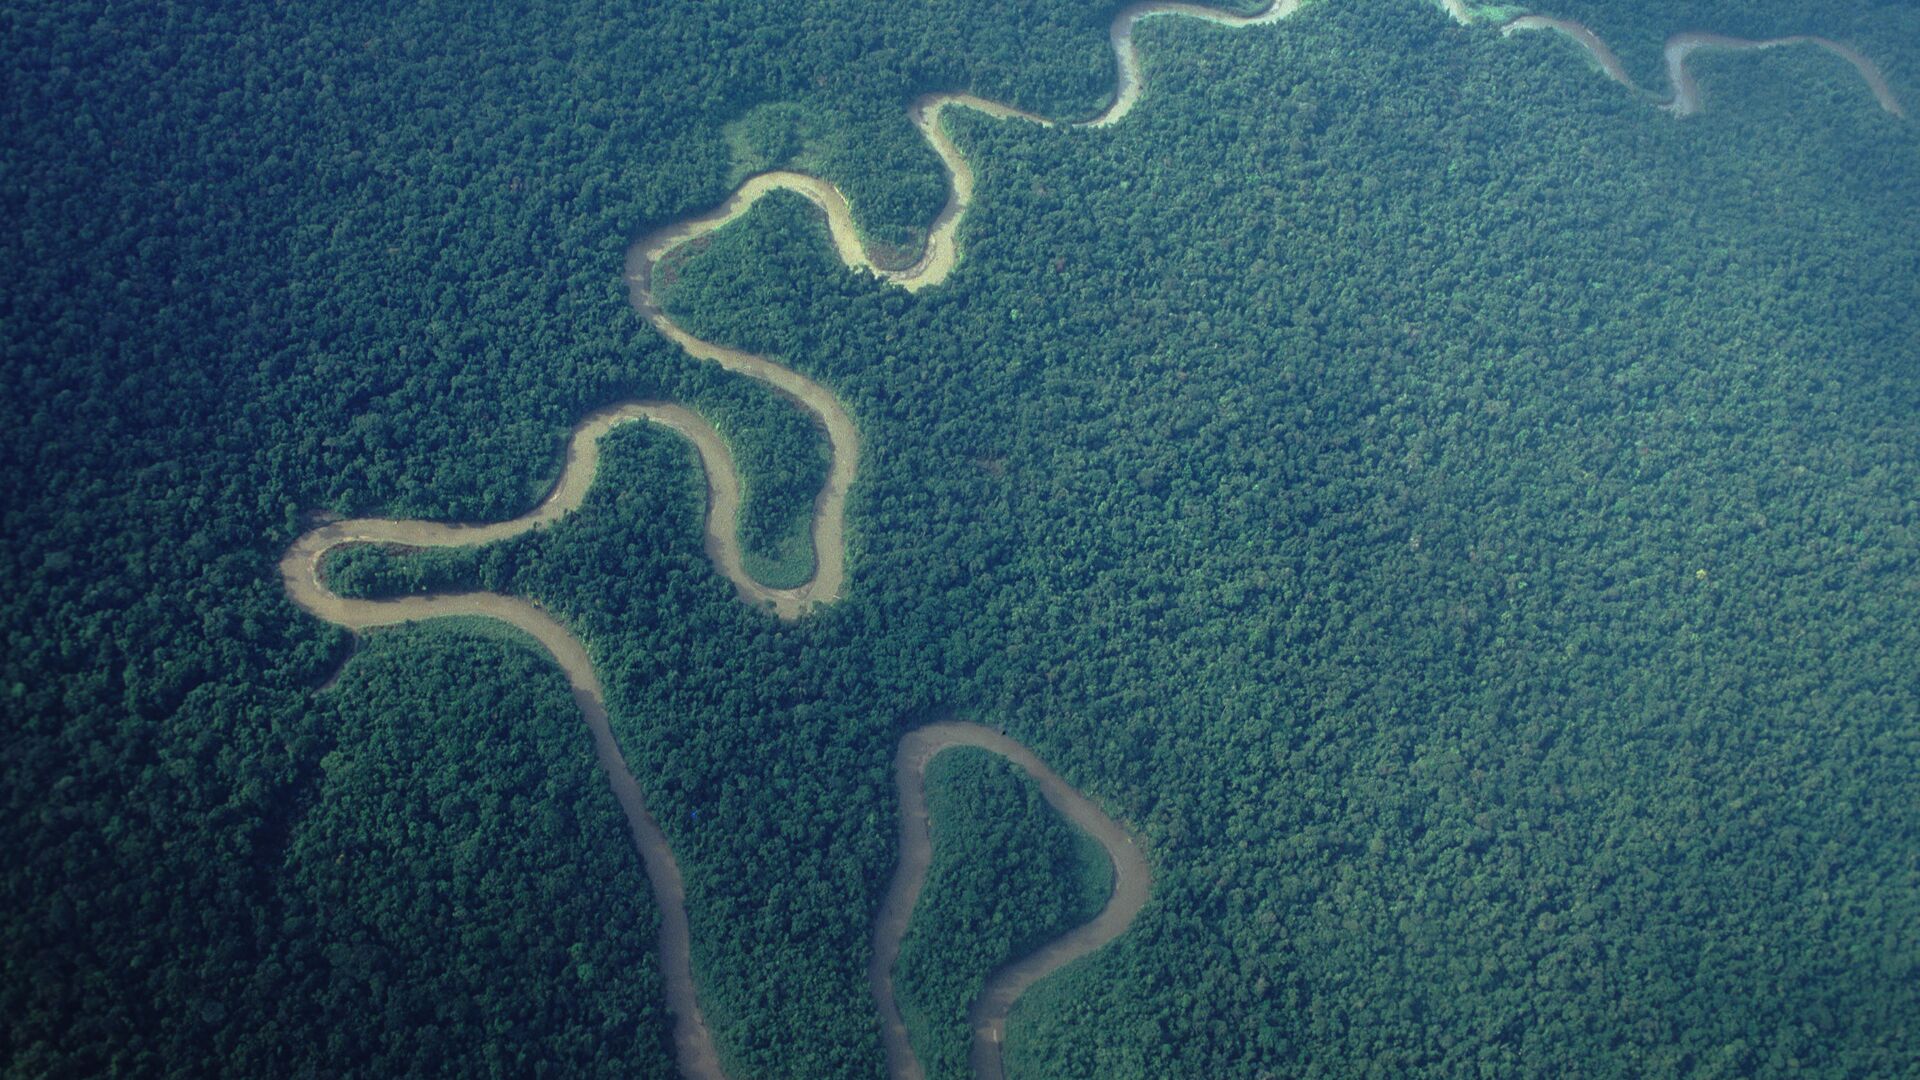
[1463,518]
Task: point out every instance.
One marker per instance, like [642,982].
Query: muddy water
[582,462]
[300,573]
[1602,53]
[1685,99]
[843,439]
[1686,92]
[1132,882]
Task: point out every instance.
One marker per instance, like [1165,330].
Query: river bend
[1684,96]
[694,1048]
[987,1016]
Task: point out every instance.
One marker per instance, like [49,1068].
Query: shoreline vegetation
[939,257]
[300,567]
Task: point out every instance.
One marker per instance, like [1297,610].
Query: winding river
[987,1016]
[694,1047]
[300,573]
[1684,98]
[941,252]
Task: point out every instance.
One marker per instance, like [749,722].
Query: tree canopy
[1462,517]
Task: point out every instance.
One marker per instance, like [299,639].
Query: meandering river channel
[1684,99]
[1132,881]
[694,1046]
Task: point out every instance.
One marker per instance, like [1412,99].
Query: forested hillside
[1462,518]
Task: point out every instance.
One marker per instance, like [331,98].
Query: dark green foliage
[1317,467]
[372,571]
[463,878]
[1008,875]
[447,888]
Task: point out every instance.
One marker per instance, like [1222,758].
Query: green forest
[1462,518]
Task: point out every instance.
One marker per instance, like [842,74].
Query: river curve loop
[695,1050]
